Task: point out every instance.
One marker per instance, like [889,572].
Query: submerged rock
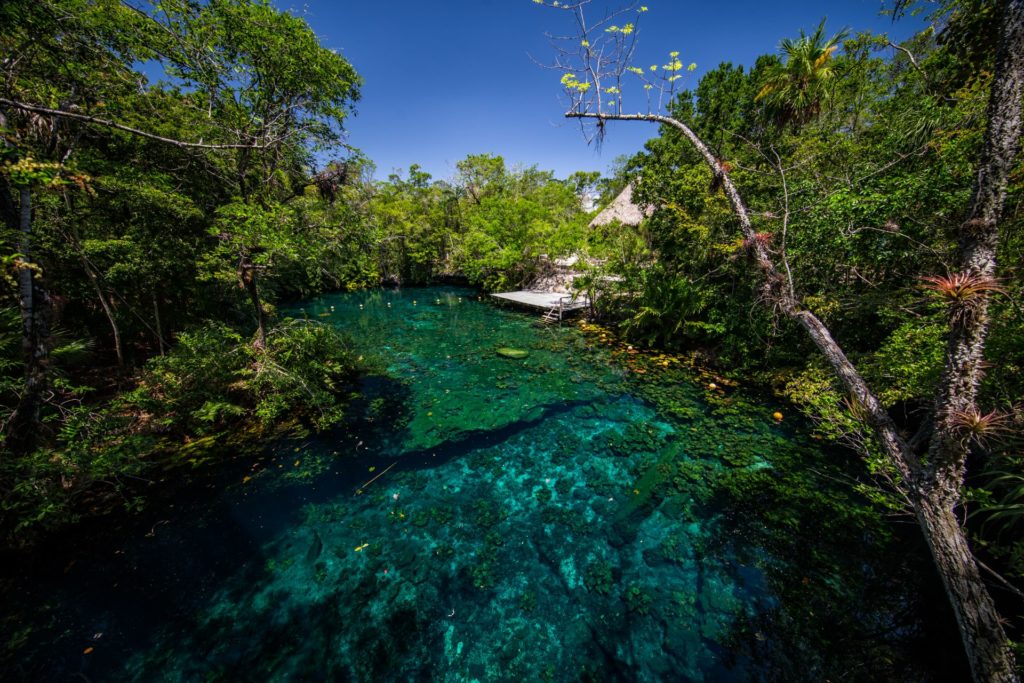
[315,548]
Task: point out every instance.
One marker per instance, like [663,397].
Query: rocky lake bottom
[585,512]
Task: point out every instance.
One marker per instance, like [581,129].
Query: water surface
[580,514]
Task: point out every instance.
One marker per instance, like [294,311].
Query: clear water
[580,514]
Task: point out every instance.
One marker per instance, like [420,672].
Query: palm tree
[794,90]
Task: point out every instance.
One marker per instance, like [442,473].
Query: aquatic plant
[637,599]
[598,577]
[527,601]
[482,574]
[486,513]
[675,547]
[443,551]
[568,517]
[494,539]
[441,514]
[684,604]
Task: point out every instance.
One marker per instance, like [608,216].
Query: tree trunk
[978,240]
[247,276]
[941,479]
[35,317]
[108,310]
[981,630]
[159,327]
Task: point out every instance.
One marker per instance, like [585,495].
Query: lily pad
[512,353]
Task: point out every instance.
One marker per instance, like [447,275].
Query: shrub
[213,378]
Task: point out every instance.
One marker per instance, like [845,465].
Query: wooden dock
[554,304]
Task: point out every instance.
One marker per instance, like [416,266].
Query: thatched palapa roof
[622,210]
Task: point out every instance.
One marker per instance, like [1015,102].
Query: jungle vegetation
[162,189]
[170,174]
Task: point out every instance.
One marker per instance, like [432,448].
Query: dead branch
[36,109]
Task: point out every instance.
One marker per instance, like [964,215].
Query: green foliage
[1008,513]
[835,416]
[906,367]
[512,221]
[190,388]
[10,348]
[795,89]
[671,312]
[213,377]
[213,381]
[138,242]
[100,455]
[303,371]
[493,226]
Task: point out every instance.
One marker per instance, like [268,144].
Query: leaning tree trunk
[985,642]
[933,488]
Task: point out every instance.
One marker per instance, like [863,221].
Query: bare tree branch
[36,109]
[774,292]
[910,56]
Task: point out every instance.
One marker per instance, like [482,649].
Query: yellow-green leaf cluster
[570,82]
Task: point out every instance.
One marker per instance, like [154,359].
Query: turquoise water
[584,513]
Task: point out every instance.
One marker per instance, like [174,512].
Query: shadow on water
[457,446]
[107,591]
[117,585]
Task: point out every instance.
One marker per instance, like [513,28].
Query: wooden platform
[542,300]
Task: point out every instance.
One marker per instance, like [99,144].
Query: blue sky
[450,78]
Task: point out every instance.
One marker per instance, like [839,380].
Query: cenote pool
[582,514]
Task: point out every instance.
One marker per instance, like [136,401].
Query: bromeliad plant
[974,424]
[965,294]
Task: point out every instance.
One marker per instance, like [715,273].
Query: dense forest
[146,256]
[172,175]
